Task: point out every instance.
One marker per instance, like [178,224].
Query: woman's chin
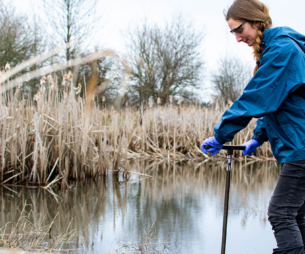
[250,44]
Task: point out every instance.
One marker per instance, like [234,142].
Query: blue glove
[215,146]
[251,146]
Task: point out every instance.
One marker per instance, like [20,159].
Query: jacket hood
[273,33]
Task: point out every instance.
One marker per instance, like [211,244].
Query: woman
[276,96]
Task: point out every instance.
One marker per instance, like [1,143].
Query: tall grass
[178,131]
[60,136]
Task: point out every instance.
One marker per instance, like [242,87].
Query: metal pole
[230,149]
[226,205]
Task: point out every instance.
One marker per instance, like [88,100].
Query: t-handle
[229,148]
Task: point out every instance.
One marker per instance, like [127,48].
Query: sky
[118,15]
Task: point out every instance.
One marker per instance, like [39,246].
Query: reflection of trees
[76,209]
[251,186]
[171,200]
[165,201]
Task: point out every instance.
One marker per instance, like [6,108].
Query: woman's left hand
[213,143]
[251,146]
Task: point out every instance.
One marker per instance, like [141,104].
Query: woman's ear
[257,24]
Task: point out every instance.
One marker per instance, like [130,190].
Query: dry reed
[59,135]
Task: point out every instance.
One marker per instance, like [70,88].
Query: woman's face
[245,33]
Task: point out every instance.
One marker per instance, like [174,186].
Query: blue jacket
[275,95]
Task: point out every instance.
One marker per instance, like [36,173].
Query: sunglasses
[238,30]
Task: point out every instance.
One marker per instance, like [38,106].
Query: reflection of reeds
[251,184]
[26,235]
[150,242]
[174,188]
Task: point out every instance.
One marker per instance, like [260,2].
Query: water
[179,209]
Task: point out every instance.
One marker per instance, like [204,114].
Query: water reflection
[182,204]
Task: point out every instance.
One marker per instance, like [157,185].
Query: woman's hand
[251,146]
[215,146]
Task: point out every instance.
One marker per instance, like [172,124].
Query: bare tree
[72,20]
[19,39]
[78,20]
[165,60]
[230,78]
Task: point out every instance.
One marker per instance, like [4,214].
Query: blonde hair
[252,11]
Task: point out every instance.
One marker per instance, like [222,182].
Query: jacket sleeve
[260,132]
[280,73]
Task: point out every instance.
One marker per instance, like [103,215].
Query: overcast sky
[207,15]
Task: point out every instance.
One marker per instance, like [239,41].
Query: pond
[177,210]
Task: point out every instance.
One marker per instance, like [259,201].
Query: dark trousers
[286,211]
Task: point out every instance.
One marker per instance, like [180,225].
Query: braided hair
[252,11]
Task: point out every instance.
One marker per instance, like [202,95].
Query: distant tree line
[165,60]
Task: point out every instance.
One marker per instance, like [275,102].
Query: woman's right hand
[215,146]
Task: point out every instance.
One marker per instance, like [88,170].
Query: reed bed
[176,132]
[60,135]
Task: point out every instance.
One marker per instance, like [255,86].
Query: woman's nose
[239,38]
